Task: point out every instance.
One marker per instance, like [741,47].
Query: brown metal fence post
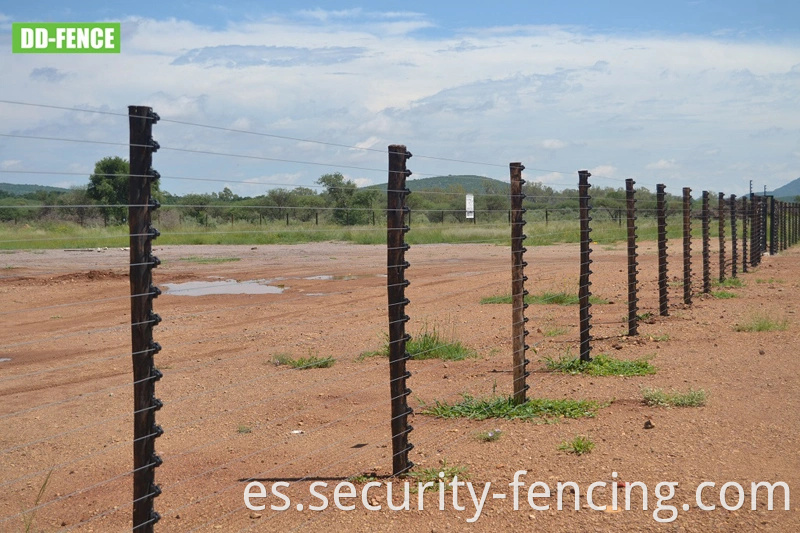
[706,245]
[633,264]
[661,216]
[721,210]
[755,230]
[143,347]
[584,292]
[734,241]
[785,224]
[755,238]
[687,246]
[396,284]
[772,228]
[745,215]
[518,279]
[762,224]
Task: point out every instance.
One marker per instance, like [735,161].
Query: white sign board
[470,206]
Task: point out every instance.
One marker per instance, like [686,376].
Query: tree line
[335,200]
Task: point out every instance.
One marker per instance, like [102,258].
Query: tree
[108,186]
[342,194]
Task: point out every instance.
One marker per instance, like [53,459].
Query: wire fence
[270,361]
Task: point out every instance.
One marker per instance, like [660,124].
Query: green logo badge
[65,37]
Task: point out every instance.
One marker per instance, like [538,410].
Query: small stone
[648,424]
[761,352]
[255,516]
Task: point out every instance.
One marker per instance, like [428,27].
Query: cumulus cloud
[358,78]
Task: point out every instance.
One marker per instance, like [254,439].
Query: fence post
[755,230]
[734,241]
[745,215]
[633,308]
[762,225]
[661,215]
[772,226]
[687,246]
[584,292]
[143,347]
[784,223]
[706,245]
[518,279]
[396,284]
[721,209]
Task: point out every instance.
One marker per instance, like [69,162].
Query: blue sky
[701,94]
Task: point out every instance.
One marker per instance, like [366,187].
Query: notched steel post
[396,228]
[143,348]
[518,279]
[584,287]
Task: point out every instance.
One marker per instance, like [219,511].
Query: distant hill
[788,191]
[470,183]
[21,189]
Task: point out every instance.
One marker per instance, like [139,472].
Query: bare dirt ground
[232,415]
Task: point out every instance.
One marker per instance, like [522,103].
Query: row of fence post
[783,219]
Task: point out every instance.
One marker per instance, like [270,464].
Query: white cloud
[554,144]
[361,78]
[604,171]
[363,182]
[662,164]
[11,164]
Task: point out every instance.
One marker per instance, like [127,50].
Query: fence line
[767,219]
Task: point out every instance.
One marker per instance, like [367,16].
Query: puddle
[5,359]
[228,286]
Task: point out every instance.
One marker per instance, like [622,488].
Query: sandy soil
[230,414]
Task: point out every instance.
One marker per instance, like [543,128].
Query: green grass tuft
[759,322]
[723,295]
[580,445]
[729,283]
[428,475]
[659,398]
[429,344]
[544,298]
[554,332]
[363,478]
[243,430]
[601,365]
[303,363]
[504,407]
[770,280]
